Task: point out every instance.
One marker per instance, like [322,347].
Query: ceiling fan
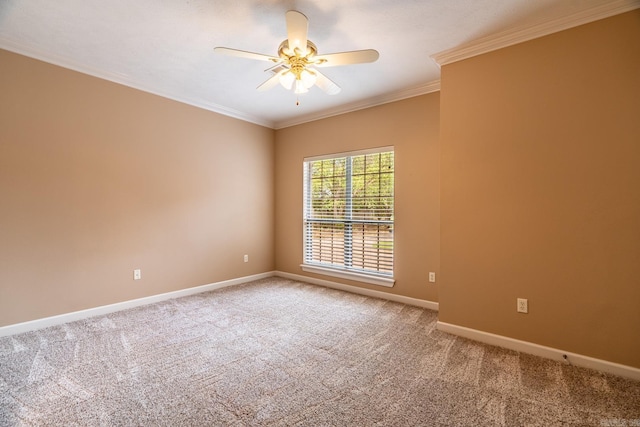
[297,60]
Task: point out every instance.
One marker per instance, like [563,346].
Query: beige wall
[540,190]
[97,179]
[412,126]
[532,151]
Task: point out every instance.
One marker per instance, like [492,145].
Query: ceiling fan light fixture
[298,59]
[308,78]
[300,88]
[286,79]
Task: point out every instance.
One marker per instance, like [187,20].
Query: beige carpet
[277,353]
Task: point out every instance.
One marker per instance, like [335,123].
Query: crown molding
[430,87]
[522,34]
[125,80]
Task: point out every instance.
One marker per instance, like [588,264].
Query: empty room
[305,213]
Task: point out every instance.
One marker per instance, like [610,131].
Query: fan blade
[271,81]
[277,68]
[346,58]
[325,83]
[245,54]
[297,28]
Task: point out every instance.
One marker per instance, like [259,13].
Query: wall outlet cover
[523,305]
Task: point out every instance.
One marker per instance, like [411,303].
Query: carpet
[277,352]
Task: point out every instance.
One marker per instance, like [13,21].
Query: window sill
[349,275]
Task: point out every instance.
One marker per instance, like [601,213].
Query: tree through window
[348,212]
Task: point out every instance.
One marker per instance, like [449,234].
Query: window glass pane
[328,188]
[348,215]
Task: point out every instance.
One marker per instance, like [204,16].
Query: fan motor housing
[285,53]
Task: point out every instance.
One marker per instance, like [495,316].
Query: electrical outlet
[246,258]
[432,277]
[137,274]
[523,305]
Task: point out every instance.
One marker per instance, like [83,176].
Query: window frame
[344,272]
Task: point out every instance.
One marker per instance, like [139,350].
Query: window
[348,215]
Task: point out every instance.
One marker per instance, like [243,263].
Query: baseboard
[474,334]
[106,309]
[46,322]
[542,351]
[362,291]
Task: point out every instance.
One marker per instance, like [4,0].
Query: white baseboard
[542,351]
[46,322]
[106,309]
[474,334]
[362,291]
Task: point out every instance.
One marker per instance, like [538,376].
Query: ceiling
[166,46]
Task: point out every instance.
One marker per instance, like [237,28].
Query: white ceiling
[166,46]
